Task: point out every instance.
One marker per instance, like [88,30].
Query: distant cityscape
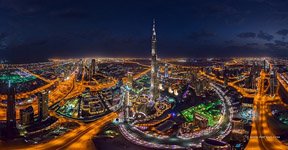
[145,103]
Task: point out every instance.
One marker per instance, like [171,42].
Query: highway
[77,138]
[71,140]
[85,142]
[261,137]
[242,91]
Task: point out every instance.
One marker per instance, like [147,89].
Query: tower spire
[154,39]
[154,65]
[153,30]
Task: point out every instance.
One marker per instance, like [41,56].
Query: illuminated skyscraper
[154,66]
[199,87]
[130,79]
[93,66]
[266,65]
[81,66]
[11,112]
[43,106]
[127,105]
[11,130]
[91,71]
[27,116]
[79,106]
[273,82]
[166,74]
[80,69]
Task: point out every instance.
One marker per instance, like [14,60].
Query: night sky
[34,30]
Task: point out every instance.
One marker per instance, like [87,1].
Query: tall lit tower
[130,79]
[154,66]
[273,82]
[11,130]
[43,110]
[93,66]
[11,112]
[127,105]
[166,74]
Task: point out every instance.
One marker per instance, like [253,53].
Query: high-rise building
[193,78]
[27,116]
[93,66]
[90,71]
[80,69]
[43,112]
[130,79]
[199,87]
[166,69]
[127,105]
[11,112]
[253,75]
[283,92]
[273,83]
[154,66]
[81,66]
[81,98]
[266,65]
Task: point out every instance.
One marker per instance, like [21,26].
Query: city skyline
[143,75]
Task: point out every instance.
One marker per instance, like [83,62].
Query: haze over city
[32,30]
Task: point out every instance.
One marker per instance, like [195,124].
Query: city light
[100,75]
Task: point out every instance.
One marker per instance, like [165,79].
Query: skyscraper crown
[153,30]
[153,50]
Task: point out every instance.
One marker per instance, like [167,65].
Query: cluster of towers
[27,114]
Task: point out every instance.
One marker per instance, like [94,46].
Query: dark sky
[32,30]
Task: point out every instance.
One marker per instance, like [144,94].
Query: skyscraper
[79,105]
[130,79]
[127,105]
[90,69]
[166,74]
[80,66]
[11,112]
[93,66]
[27,116]
[273,82]
[154,66]
[43,106]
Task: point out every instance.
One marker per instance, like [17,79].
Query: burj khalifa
[154,66]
